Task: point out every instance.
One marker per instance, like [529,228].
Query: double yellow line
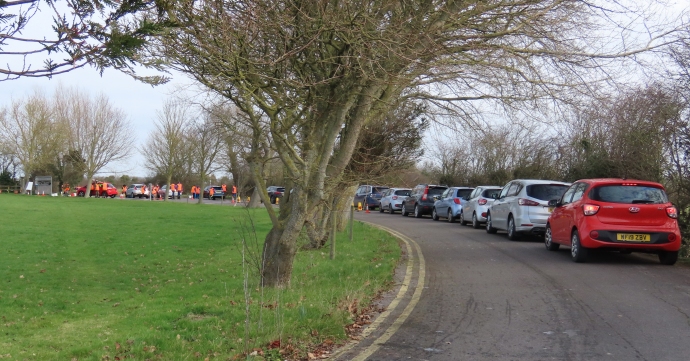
[400,319]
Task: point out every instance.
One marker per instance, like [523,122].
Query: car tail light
[672,212]
[594,234]
[481,201]
[426,191]
[456,200]
[590,209]
[394,197]
[484,214]
[629,184]
[527,202]
[671,237]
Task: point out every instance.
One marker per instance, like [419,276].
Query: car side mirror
[554,203]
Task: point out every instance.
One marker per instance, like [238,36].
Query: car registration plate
[633,237]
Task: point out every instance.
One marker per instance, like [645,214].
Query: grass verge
[110,279]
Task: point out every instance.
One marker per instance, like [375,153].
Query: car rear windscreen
[378,189]
[464,193]
[405,193]
[436,191]
[629,194]
[281,190]
[489,193]
[546,192]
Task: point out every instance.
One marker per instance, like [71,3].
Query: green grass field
[109,279]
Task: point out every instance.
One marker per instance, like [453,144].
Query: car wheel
[668,258]
[512,234]
[577,252]
[380,209]
[104,195]
[80,194]
[548,240]
[434,215]
[417,211]
[475,222]
[489,228]
[273,200]
[390,209]
[451,219]
[404,211]
[113,196]
[462,218]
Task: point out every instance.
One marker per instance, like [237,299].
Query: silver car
[449,204]
[392,199]
[523,206]
[136,190]
[477,205]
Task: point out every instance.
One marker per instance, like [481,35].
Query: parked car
[137,191]
[392,199]
[369,196]
[104,190]
[217,193]
[624,215]
[275,192]
[477,205]
[421,199]
[164,190]
[449,204]
[522,207]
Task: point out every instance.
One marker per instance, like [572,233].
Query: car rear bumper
[607,239]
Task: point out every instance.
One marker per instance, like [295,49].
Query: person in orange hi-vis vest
[225,188]
[179,189]
[173,188]
[124,190]
[210,193]
[143,190]
[195,192]
[234,193]
[93,189]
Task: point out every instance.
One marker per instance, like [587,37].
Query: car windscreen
[546,192]
[403,192]
[464,193]
[629,194]
[378,189]
[281,190]
[491,193]
[435,191]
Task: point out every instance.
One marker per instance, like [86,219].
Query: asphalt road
[484,297]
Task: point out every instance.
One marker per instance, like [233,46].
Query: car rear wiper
[641,201]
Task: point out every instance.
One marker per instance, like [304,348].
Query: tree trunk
[165,196]
[201,190]
[342,205]
[279,252]
[317,229]
[254,201]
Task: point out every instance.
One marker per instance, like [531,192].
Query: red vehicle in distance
[617,214]
[103,190]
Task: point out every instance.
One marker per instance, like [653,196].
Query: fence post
[333,230]
[352,221]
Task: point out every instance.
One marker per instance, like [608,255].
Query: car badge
[634,209]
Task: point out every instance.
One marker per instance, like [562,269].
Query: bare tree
[319,72]
[98,131]
[165,148]
[98,33]
[204,144]
[29,131]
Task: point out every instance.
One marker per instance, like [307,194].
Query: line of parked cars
[613,214]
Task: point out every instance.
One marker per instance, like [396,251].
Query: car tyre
[668,258]
[577,252]
[417,211]
[390,209]
[80,194]
[462,218]
[451,219]
[475,222]
[380,209]
[273,200]
[434,215]
[404,211]
[489,228]
[512,234]
[548,240]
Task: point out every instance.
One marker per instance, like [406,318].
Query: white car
[477,205]
[523,207]
[392,198]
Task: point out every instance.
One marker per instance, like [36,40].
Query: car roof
[462,187]
[600,181]
[539,181]
[489,187]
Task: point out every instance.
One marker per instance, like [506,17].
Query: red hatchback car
[619,214]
